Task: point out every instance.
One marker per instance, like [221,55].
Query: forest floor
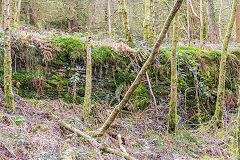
[33,133]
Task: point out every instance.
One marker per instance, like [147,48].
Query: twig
[95,142]
[121,144]
[150,88]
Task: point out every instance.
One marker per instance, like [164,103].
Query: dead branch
[95,143]
[118,153]
[121,144]
[150,88]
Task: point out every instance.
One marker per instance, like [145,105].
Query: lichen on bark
[88,87]
[172,116]
[9,96]
[147,24]
[124,19]
[219,112]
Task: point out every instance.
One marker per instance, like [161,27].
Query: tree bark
[74,20]
[9,96]
[95,142]
[238,117]
[188,24]
[218,116]
[238,22]
[201,24]
[18,13]
[88,87]
[143,70]
[150,88]
[148,30]
[109,19]
[172,116]
[212,26]
[124,17]
[220,21]
[33,14]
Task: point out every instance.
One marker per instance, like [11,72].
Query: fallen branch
[79,133]
[105,149]
[121,144]
[118,153]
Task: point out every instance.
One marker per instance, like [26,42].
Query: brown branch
[94,141]
[143,70]
[118,153]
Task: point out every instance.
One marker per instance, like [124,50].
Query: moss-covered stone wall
[113,72]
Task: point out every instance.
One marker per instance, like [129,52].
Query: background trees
[103,79]
[9,97]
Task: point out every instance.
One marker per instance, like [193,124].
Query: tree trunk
[202,24]
[9,97]
[199,119]
[124,16]
[143,70]
[12,11]
[32,14]
[188,24]
[218,116]
[212,26]
[220,21]
[238,117]
[18,13]
[238,22]
[148,30]
[172,116]
[109,19]
[74,20]
[88,87]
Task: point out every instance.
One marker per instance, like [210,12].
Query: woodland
[119,79]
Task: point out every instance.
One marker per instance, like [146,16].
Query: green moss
[140,95]
[31,94]
[22,80]
[80,100]
[102,54]
[58,62]
[187,48]
[124,77]
[69,48]
[52,82]
[68,98]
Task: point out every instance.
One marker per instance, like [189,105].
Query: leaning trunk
[172,116]
[218,116]
[137,81]
[9,97]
